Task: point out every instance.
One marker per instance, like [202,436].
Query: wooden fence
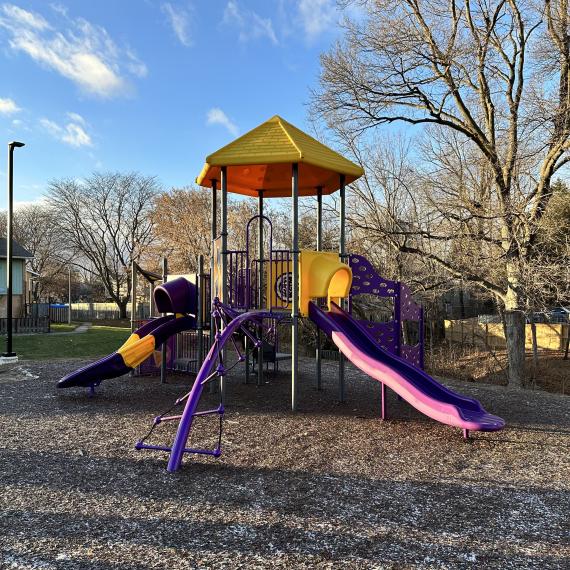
[549,336]
[26,325]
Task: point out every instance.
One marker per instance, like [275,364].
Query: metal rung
[218,410]
[214,452]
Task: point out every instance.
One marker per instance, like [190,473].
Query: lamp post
[11,146]
[69,295]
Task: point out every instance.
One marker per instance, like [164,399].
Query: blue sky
[148,85]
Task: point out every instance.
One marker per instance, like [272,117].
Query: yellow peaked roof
[262,158]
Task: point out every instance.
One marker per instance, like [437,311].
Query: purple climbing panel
[366,280]
[411,311]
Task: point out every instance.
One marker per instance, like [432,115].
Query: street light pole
[9,230]
[69,295]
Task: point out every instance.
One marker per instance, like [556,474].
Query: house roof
[18,251]
[262,158]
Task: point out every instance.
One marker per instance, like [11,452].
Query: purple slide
[178,297]
[411,383]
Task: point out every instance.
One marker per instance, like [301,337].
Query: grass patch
[97,341]
[63,327]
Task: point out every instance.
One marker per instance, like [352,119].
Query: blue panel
[17,276]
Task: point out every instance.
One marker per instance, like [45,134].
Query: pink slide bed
[411,383]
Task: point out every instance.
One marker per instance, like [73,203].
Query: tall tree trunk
[515,327]
[514,330]
[534,349]
[122,304]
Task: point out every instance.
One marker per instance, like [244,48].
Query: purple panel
[411,311]
[383,334]
[365,279]
[412,354]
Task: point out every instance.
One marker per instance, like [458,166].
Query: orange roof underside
[276,179]
[262,160]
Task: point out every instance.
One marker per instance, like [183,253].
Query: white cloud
[8,107]
[72,133]
[76,136]
[76,118]
[317,16]
[250,25]
[25,18]
[179,19]
[80,51]
[59,8]
[217,117]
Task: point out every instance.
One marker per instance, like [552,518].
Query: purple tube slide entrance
[411,383]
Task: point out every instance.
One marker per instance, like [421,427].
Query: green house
[19,282]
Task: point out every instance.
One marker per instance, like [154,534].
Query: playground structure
[252,293]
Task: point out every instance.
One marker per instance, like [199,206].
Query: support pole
[69,295]
[318,354]
[133,301]
[260,281]
[200,310]
[212,260]
[163,351]
[383,401]
[214,235]
[224,234]
[295,287]
[133,295]
[342,252]
[246,353]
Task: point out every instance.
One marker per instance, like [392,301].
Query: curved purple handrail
[205,371]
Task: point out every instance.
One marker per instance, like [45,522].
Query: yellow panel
[279,285]
[322,275]
[137,352]
[131,340]
[262,158]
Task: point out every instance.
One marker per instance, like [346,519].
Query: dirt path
[328,487]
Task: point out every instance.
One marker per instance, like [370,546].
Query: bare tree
[106,221]
[182,219]
[35,228]
[495,74]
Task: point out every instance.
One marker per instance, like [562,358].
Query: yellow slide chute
[322,275]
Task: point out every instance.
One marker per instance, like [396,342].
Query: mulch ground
[328,487]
